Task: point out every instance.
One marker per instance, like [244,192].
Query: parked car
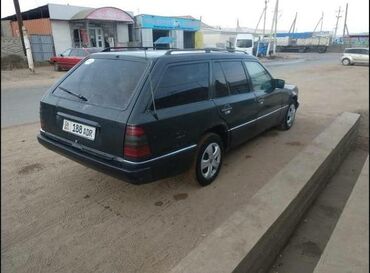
[70,57]
[355,55]
[145,115]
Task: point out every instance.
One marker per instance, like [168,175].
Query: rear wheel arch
[222,131]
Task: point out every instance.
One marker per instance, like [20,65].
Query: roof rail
[206,50]
[108,49]
[117,48]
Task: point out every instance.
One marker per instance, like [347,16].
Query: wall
[61,35]
[11,45]
[217,38]
[122,34]
[6,29]
[147,37]
[35,26]
[178,36]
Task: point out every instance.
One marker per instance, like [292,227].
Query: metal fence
[42,47]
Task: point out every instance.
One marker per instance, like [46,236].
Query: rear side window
[104,82]
[235,77]
[183,84]
[261,80]
[356,51]
[221,89]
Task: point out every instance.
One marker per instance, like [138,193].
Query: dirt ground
[58,216]
[18,77]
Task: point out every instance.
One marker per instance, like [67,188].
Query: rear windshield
[103,82]
[244,43]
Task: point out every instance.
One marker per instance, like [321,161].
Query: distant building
[73,26]
[180,32]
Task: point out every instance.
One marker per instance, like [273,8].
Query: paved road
[20,105]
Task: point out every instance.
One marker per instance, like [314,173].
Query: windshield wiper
[72,93]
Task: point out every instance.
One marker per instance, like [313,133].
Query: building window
[130,33]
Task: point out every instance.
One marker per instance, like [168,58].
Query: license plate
[79,129]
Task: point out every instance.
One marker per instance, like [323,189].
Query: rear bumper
[132,172]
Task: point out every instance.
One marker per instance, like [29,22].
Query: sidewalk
[348,248]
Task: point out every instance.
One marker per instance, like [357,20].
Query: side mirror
[61,55]
[278,83]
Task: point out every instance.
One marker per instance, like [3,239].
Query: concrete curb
[253,236]
[348,247]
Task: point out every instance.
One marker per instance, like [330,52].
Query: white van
[244,42]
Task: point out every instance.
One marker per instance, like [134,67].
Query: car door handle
[260,100]
[226,109]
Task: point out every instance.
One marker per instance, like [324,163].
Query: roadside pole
[272,30]
[28,50]
[20,23]
[275,29]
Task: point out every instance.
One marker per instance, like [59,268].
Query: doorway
[96,37]
[189,39]
[158,33]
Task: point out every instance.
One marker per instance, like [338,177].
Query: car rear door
[235,101]
[182,105]
[269,99]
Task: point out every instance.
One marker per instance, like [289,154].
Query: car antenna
[152,92]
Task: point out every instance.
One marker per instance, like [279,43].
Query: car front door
[74,57]
[62,60]
[364,55]
[235,101]
[268,98]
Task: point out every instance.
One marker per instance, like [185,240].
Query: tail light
[136,143]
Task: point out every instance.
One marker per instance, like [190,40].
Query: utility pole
[272,27]
[336,24]
[263,14]
[20,23]
[264,20]
[292,27]
[345,22]
[320,21]
[275,30]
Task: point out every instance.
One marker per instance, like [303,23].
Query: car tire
[56,67]
[346,61]
[208,160]
[289,117]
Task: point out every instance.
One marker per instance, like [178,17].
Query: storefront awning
[104,14]
[163,41]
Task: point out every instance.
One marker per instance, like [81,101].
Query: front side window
[81,53]
[183,84]
[74,52]
[235,77]
[66,52]
[364,51]
[261,80]
[244,43]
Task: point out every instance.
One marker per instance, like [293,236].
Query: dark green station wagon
[143,115]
